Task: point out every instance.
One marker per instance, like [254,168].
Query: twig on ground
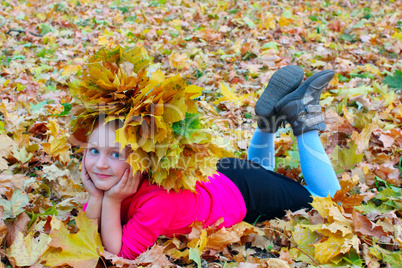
[22,31]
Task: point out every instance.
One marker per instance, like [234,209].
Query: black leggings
[267,194]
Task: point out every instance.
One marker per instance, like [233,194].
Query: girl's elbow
[114,250]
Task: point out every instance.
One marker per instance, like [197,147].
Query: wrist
[111,200]
[96,198]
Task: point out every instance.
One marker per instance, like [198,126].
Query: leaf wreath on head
[162,125]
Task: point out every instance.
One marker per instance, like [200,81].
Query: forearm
[94,208]
[111,230]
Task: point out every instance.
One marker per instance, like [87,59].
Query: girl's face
[104,161]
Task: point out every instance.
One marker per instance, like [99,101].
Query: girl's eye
[115,155]
[94,151]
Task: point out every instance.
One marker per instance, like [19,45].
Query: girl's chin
[103,187]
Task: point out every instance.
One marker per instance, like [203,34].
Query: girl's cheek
[89,163]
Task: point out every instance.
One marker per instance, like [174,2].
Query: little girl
[133,212]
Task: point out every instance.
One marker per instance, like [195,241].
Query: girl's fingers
[130,177]
[124,179]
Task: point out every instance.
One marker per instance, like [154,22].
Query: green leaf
[389,193]
[189,126]
[370,207]
[20,87]
[363,75]
[351,92]
[287,14]
[248,115]
[50,211]
[344,159]
[195,255]
[37,107]
[268,45]
[394,81]
[353,258]
[16,205]
[66,111]
[393,258]
[347,37]
[249,22]
[343,78]
[46,28]
[2,125]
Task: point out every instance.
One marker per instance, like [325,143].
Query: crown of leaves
[168,136]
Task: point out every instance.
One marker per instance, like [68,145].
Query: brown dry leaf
[343,196]
[154,256]
[11,182]
[278,263]
[117,261]
[222,237]
[3,227]
[362,139]
[6,146]
[284,255]
[367,227]
[19,224]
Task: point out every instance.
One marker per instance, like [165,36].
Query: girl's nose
[102,162]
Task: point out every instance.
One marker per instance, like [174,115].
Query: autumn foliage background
[231,49]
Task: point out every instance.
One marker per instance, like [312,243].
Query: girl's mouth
[102,176]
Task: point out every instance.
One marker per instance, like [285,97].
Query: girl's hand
[127,186]
[87,181]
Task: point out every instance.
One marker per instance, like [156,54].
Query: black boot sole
[282,82]
[299,92]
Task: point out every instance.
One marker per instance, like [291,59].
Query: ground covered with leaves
[231,49]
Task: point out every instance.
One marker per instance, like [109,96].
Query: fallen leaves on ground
[230,49]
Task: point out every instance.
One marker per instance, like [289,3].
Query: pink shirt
[152,211]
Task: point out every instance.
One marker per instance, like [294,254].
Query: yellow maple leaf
[305,236]
[372,69]
[193,91]
[229,95]
[71,69]
[199,243]
[322,205]
[362,139]
[179,61]
[283,21]
[57,144]
[104,41]
[333,82]
[79,249]
[328,249]
[269,22]
[398,36]
[27,250]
